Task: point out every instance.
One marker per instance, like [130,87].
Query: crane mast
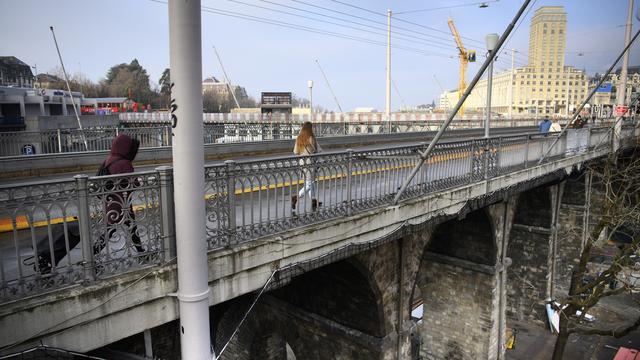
[464,62]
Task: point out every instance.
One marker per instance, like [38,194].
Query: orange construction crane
[465,57]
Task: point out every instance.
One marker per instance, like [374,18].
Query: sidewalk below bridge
[535,342]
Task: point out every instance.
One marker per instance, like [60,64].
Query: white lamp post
[492,41]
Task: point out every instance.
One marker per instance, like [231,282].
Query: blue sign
[606,87]
[28,149]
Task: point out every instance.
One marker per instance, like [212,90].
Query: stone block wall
[461,313]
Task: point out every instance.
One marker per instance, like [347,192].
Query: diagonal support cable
[425,155]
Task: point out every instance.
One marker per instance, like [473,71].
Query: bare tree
[618,177]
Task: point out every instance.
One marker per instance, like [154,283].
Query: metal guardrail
[16,143]
[91,228]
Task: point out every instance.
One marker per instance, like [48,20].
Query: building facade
[545,87]
[15,73]
[221,89]
[605,97]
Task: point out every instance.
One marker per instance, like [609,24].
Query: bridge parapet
[126,221]
[246,253]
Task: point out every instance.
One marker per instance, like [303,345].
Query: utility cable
[394,31]
[397,35]
[311,30]
[445,7]
[373,21]
[402,20]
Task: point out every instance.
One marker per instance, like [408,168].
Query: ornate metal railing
[59,233]
[16,143]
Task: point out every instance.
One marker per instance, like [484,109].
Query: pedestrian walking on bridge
[306,144]
[118,204]
[544,126]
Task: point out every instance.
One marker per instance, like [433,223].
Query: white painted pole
[66,80]
[185,47]
[388,95]
[621,95]
[488,107]
[226,77]
[513,60]
[492,40]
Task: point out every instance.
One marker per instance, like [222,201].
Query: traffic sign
[28,149]
[620,110]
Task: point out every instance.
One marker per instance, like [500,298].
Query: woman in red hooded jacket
[123,151]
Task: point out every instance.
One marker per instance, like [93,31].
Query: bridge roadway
[354,189]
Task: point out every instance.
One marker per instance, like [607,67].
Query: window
[560,31]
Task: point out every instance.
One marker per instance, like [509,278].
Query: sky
[272,53]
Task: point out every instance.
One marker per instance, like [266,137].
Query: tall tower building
[547,38]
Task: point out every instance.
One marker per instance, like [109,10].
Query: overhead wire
[373,21]
[311,30]
[394,30]
[402,20]
[445,7]
[395,34]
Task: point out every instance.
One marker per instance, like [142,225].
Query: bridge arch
[470,238]
[331,312]
[456,283]
[530,249]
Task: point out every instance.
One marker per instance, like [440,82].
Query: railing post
[349,178]
[84,219]
[486,158]
[167,211]
[231,196]
[59,133]
[526,152]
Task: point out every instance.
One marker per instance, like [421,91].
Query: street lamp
[310,85]
[492,41]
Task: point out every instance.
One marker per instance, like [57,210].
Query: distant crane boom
[464,62]
[226,78]
[329,85]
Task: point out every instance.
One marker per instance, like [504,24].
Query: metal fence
[18,143]
[58,233]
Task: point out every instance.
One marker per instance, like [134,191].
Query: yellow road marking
[6,224]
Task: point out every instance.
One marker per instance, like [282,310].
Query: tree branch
[616,332]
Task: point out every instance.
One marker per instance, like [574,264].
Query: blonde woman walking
[306,144]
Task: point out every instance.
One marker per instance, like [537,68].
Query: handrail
[124,223]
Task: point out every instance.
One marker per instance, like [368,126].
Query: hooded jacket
[123,150]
